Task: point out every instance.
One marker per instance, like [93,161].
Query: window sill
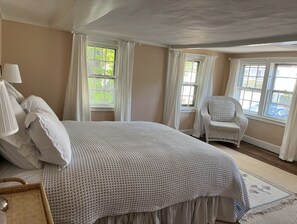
[186,109]
[266,120]
[101,109]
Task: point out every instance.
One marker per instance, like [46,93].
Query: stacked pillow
[41,136]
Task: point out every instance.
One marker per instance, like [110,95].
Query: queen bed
[128,172]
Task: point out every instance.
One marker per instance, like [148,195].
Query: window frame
[267,87]
[192,58]
[105,107]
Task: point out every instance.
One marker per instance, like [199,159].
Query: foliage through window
[101,64]
[190,84]
[266,89]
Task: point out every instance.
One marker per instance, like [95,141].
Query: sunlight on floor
[264,170]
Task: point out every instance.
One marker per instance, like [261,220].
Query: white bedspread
[119,168]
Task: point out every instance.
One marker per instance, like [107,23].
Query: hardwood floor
[264,156]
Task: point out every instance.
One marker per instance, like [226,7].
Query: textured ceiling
[190,23]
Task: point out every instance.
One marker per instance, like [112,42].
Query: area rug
[269,203]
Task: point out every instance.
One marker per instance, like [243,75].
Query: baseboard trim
[187,131]
[262,144]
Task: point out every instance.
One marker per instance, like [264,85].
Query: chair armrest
[206,117]
[241,121]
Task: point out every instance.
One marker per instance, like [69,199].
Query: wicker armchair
[223,119]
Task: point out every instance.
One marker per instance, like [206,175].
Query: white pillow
[50,137]
[12,92]
[36,103]
[19,148]
[221,110]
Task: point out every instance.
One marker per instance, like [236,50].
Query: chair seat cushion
[221,110]
[224,125]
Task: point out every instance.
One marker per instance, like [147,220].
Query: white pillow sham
[12,92]
[50,137]
[221,110]
[19,148]
[33,103]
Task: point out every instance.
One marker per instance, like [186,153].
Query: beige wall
[148,85]
[0,41]
[102,116]
[261,130]
[43,56]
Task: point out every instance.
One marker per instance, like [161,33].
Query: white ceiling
[181,24]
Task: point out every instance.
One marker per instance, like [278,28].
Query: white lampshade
[8,123]
[11,73]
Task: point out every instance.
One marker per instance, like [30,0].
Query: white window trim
[200,58]
[271,61]
[105,44]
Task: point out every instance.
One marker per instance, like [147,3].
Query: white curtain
[77,102]
[175,72]
[288,150]
[124,81]
[204,90]
[233,77]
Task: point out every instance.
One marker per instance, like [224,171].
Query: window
[250,87]
[280,95]
[265,88]
[101,69]
[190,84]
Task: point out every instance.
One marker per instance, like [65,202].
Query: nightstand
[27,203]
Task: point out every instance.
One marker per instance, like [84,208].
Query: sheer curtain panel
[204,90]
[124,81]
[233,77]
[175,72]
[77,102]
[288,150]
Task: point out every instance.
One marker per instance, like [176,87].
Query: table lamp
[11,73]
[8,125]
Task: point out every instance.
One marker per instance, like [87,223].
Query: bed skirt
[199,211]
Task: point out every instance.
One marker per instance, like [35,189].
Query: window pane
[284,84]
[253,71]
[246,105]
[248,95]
[187,90]
[191,101]
[277,111]
[110,55]
[261,71]
[185,100]
[100,67]
[254,107]
[90,53]
[109,69]
[195,66]
[187,77]
[286,76]
[256,96]
[251,82]
[286,71]
[188,66]
[189,86]
[259,83]
[278,103]
[91,67]
[244,82]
